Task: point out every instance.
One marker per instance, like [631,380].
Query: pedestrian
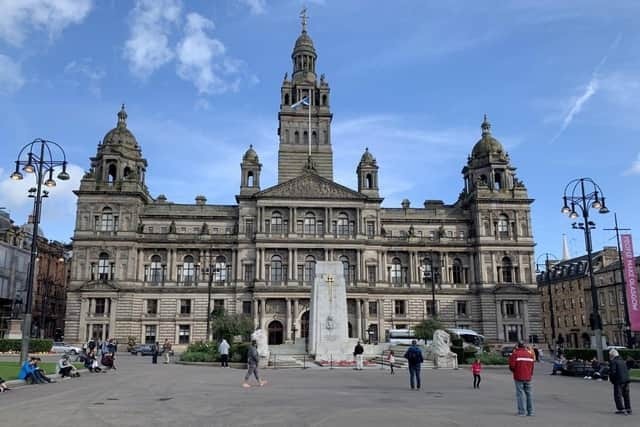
[619,377]
[252,365]
[155,349]
[415,359]
[536,353]
[476,368]
[166,350]
[521,365]
[358,354]
[223,349]
[391,358]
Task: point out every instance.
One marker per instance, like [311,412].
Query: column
[287,336]
[358,318]
[290,263]
[256,314]
[358,266]
[82,326]
[113,303]
[365,322]
[500,331]
[92,305]
[295,317]
[525,317]
[263,307]
[357,230]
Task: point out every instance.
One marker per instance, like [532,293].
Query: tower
[304,133]
[250,169]
[368,175]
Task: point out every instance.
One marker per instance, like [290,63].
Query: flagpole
[309,123]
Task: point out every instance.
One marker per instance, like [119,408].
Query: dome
[250,155]
[367,157]
[120,134]
[487,144]
[304,43]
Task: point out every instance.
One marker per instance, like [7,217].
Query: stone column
[358,266]
[295,317]
[365,322]
[358,318]
[263,308]
[256,314]
[500,331]
[113,305]
[525,318]
[234,265]
[287,337]
[290,264]
[82,327]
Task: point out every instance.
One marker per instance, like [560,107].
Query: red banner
[631,279]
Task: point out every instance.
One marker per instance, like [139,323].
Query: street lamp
[577,198]
[42,165]
[547,276]
[430,275]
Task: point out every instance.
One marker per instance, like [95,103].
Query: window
[220,270]
[512,332]
[156,270]
[373,308]
[152,306]
[276,269]
[342,225]
[396,271]
[427,273]
[112,173]
[150,334]
[510,308]
[107,222]
[248,226]
[218,305]
[246,307]
[185,306]
[276,222]
[507,270]
[188,271]
[100,305]
[503,226]
[371,274]
[309,223]
[309,268]
[248,272]
[400,307]
[371,229]
[430,308]
[612,298]
[183,334]
[348,270]
[105,270]
[457,271]
[461,308]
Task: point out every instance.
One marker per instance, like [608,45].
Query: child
[476,368]
[391,359]
[3,386]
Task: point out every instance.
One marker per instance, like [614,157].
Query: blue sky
[409,79]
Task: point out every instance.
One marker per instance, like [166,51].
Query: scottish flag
[303,101]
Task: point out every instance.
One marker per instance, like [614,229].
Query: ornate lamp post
[547,279]
[41,162]
[580,195]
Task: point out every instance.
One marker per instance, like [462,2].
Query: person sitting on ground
[593,371]
[66,369]
[107,361]
[558,364]
[3,386]
[32,374]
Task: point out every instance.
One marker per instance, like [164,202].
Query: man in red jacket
[521,364]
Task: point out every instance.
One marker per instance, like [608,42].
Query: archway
[276,332]
[304,325]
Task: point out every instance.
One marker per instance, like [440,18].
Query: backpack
[413,357]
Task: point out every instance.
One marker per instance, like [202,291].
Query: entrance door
[304,325]
[275,333]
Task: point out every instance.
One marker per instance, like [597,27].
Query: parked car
[144,350]
[506,351]
[62,348]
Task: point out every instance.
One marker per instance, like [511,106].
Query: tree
[425,329]
[228,326]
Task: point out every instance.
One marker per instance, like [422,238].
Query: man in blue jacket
[31,373]
[414,357]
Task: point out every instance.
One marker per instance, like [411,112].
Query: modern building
[142,264]
[570,287]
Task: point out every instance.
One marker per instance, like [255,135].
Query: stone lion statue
[263,343]
[441,345]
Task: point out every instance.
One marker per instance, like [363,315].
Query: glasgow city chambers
[152,269]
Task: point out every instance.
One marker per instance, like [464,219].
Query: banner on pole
[631,280]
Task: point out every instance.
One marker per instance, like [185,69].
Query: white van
[470,338]
[403,337]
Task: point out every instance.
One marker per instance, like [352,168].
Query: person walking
[166,351]
[415,359]
[521,364]
[476,368]
[155,349]
[391,358]
[223,349]
[252,365]
[619,377]
[358,353]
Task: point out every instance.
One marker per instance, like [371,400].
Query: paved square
[142,394]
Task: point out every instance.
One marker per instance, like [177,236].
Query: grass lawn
[10,370]
[635,373]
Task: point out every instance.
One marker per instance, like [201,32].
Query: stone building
[570,287]
[142,264]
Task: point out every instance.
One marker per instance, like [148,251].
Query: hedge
[588,354]
[463,353]
[35,345]
[489,359]
[208,352]
[198,356]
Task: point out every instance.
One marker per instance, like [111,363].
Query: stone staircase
[400,361]
[288,356]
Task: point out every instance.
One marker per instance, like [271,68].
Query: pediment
[99,285]
[512,289]
[310,186]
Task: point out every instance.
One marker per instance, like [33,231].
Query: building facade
[570,287]
[142,265]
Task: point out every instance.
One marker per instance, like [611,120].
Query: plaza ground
[142,394]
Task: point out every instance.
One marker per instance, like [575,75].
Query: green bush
[588,353]
[203,347]
[238,351]
[198,356]
[489,359]
[425,329]
[459,351]
[35,345]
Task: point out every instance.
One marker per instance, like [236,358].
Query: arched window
[396,271]
[276,222]
[156,269]
[286,99]
[324,99]
[305,137]
[104,267]
[309,223]
[220,269]
[368,181]
[127,172]
[314,137]
[342,225]
[309,268]
[457,271]
[106,220]
[250,179]
[507,270]
[112,174]
[188,270]
[503,225]
[276,269]
[286,136]
[296,137]
[498,181]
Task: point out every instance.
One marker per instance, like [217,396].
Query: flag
[303,101]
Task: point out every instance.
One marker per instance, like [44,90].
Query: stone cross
[329,279]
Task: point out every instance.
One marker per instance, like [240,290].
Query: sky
[410,80]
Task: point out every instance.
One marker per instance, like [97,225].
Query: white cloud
[59,208]
[19,17]
[202,60]
[256,7]
[85,69]
[11,78]
[635,167]
[147,48]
